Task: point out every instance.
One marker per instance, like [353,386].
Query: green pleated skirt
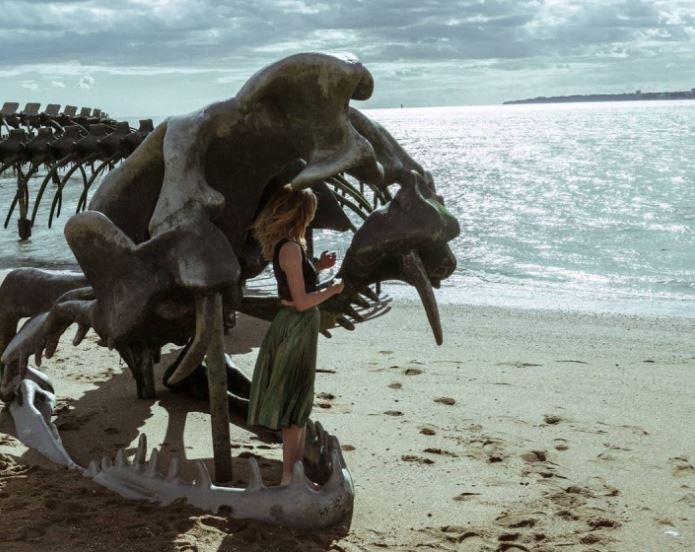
[282,388]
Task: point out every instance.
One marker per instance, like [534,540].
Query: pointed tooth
[323,436]
[333,443]
[121,459]
[415,274]
[80,334]
[359,300]
[366,290]
[336,478]
[298,477]
[92,469]
[255,479]
[173,472]
[141,454]
[310,431]
[106,463]
[345,323]
[334,446]
[203,475]
[153,464]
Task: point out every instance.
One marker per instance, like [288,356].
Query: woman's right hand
[337,286]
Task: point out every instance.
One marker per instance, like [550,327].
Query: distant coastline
[638,95]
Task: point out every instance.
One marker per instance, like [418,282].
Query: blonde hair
[286,215]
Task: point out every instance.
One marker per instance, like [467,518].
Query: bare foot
[311,484]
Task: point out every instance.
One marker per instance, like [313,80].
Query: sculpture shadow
[110,416]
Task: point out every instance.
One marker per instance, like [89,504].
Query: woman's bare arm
[290,259]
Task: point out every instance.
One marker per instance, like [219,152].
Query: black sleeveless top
[308,270]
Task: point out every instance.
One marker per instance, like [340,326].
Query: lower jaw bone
[295,505]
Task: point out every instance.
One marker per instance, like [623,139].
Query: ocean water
[586,207]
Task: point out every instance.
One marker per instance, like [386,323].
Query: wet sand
[527,430]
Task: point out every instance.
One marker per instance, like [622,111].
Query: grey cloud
[93,31]
[234,38]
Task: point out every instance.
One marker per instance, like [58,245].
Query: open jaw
[296,505]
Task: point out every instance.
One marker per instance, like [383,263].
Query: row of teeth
[151,468]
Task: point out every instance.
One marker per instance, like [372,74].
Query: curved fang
[204,313]
[416,276]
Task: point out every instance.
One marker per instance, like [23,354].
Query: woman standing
[282,389]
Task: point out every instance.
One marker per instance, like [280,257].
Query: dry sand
[527,430]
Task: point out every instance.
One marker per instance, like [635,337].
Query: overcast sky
[157,57]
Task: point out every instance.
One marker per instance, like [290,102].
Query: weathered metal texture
[167,234]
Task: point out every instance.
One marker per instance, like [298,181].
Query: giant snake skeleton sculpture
[165,253]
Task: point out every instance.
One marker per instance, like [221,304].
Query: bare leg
[290,448]
[293,440]
[302,442]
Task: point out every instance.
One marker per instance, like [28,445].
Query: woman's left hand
[326,260]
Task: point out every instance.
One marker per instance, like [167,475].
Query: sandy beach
[527,430]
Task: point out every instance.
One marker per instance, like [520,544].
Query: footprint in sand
[534,456]
[571,497]
[440,452]
[395,385]
[326,396]
[681,466]
[445,400]
[393,413]
[493,451]
[63,406]
[10,468]
[465,496]
[688,500]
[606,457]
[616,447]
[347,448]
[552,419]
[519,364]
[636,430]
[601,523]
[427,431]
[417,459]
[515,521]
[412,371]
[560,444]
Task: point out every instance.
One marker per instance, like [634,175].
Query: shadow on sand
[45,507]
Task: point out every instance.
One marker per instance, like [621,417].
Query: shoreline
[519,300]
[534,428]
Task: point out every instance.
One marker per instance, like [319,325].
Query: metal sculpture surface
[165,252]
